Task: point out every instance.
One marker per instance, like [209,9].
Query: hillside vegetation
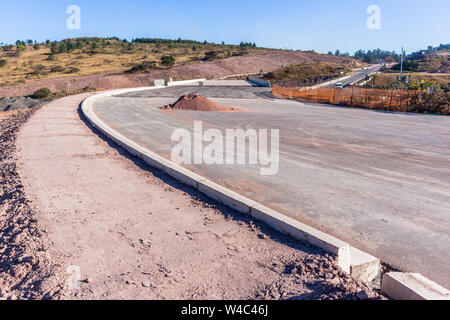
[371,56]
[28,61]
[307,74]
[434,60]
[390,80]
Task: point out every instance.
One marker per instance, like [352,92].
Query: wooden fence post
[390,104]
[351,98]
[407,102]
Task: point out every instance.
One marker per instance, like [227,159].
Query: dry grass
[307,74]
[34,65]
[438,62]
[307,71]
[385,79]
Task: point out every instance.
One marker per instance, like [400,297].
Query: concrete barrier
[159,83]
[185,82]
[412,286]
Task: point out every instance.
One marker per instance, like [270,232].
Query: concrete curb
[360,265]
[412,286]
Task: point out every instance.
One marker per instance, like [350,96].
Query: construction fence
[379,99]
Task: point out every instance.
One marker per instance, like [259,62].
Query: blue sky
[322,25]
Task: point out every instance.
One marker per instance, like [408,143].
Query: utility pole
[401,64]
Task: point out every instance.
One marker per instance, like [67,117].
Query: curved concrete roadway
[380,181]
[134,233]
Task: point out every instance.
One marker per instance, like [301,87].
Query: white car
[338,85]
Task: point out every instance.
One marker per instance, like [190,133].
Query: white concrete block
[412,286]
[159,83]
[364,266]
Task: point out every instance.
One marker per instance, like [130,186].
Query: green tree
[54,48]
[42,93]
[168,61]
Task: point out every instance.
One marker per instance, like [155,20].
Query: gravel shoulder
[96,217]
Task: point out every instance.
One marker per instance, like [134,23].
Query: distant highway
[357,76]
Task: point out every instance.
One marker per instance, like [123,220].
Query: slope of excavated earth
[193,102]
[256,62]
[127,231]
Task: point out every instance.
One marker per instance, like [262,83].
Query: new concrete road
[380,181]
[357,76]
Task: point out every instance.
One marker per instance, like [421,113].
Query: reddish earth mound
[195,102]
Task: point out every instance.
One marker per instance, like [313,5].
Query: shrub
[42,93]
[143,67]
[425,84]
[39,70]
[167,61]
[57,69]
[3,63]
[211,55]
[73,70]
[437,102]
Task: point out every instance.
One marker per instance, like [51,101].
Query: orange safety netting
[388,100]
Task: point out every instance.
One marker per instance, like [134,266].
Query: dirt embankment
[22,262]
[253,63]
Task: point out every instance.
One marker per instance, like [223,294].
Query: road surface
[357,76]
[378,180]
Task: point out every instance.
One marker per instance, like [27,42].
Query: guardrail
[259,82]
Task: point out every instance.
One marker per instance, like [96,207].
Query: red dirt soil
[195,102]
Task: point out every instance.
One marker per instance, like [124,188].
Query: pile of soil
[193,102]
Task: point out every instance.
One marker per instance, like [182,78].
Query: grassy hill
[75,65]
[390,80]
[88,56]
[435,62]
[307,74]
